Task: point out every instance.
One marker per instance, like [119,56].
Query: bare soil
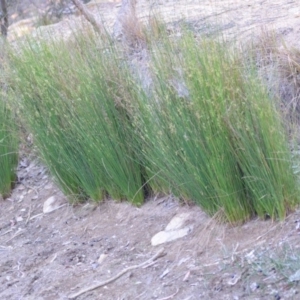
[55,255]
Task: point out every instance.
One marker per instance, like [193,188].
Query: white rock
[51,204]
[295,276]
[168,236]
[187,275]
[177,221]
[253,286]
[250,257]
[102,258]
[173,230]
[48,186]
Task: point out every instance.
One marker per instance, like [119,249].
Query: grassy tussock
[76,102]
[279,68]
[8,150]
[217,137]
[207,130]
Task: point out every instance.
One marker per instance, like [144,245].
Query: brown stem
[3,18]
[126,15]
[87,14]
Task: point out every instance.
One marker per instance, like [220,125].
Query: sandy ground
[54,255]
[237,19]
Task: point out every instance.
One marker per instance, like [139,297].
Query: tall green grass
[206,130]
[75,99]
[8,150]
[186,139]
[260,145]
[215,134]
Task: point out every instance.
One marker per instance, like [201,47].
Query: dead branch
[19,232]
[3,18]
[88,15]
[126,19]
[159,254]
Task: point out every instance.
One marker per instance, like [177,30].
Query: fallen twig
[4,248]
[89,17]
[19,232]
[159,254]
[6,232]
[274,227]
[35,216]
[29,214]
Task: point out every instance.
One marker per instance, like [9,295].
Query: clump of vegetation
[207,129]
[8,150]
[76,102]
[279,68]
[214,135]
[54,12]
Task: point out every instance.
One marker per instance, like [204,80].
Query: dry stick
[159,254]
[87,14]
[127,13]
[274,227]
[19,232]
[29,214]
[3,18]
[6,232]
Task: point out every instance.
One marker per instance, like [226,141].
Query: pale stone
[102,258]
[177,221]
[253,286]
[168,236]
[48,186]
[173,230]
[50,205]
[250,257]
[295,276]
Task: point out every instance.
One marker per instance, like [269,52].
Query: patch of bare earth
[55,255]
